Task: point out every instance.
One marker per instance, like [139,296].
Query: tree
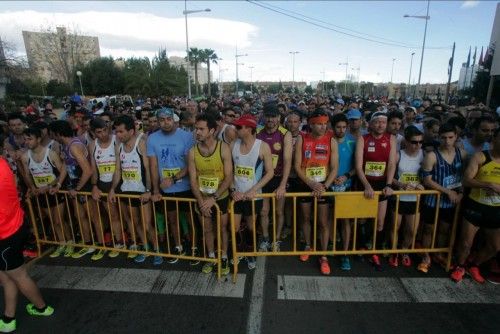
[209,56]
[102,77]
[309,90]
[196,57]
[136,75]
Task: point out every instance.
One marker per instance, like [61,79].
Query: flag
[480,62]
[468,58]
[474,58]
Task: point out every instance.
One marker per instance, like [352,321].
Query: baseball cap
[340,101]
[354,114]
[246,120]
[166,112]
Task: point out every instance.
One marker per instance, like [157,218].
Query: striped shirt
[448,176]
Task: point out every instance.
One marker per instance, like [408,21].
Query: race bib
[106,168]
[169,172]
[452,182]
[43,180]
[489,197]
[208,185]
[373,168]
[130,175]
[317,174]
[409,178]
[275,160]
[243,171]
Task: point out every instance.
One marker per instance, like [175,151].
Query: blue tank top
[448,176]
[346,158]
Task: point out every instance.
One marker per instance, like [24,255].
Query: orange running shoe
[305,257]
[324,266]
[475,273]
[424,267]
[457,274]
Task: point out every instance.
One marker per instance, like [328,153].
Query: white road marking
[387,289]
[254,321]
[169,282]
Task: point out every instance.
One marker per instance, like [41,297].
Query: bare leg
[26,285]
[9,294]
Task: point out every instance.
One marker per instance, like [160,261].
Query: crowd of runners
[214,150]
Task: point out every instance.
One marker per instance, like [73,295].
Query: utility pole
[346,64]
[293,53]
[251,77]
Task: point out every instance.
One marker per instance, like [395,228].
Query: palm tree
[195,57]
[209,56]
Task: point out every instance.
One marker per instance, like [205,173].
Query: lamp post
[236,56]
[426,18]
[188,67]
[346,64]
[251,77]
[293,53]
[409,76]
[323,83]
[392,68]
[79,75]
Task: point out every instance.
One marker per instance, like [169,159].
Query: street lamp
[323,83]
[185,13]
[392,68]
[236,56]
[409,76]
[79,75]
[346,64]
[426,18]
[293,53]
[251,77]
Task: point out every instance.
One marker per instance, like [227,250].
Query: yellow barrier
[57,225]
[348,205]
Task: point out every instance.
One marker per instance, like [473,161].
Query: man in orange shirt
[13,274]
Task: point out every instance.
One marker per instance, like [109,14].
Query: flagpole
[450,70]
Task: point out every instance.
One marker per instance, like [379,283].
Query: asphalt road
[282,295]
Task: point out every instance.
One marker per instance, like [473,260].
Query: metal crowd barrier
[93,222]
[348,205]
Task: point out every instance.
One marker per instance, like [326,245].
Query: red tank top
[11,214]
[376,156]
[316,156]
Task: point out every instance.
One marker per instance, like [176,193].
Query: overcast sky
[380,31]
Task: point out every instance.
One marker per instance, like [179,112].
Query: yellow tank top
[489,172]
[210,170]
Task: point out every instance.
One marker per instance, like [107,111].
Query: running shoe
[178,251]
[82,252]
[195,262]
[393,260]
[324,266]
[406,260]
[345,263]
[493,278]
[7,327]
[140,258]
[251,262]
[238,259]
[31,309]
[114,253]
[68,252]
[157,260]
[475,273]
[276,246]
[99,255]
[375,260]
[132,248]
[59,250]
[208,267]
[264,246]
[305,257]
[457,274]
[224,267]
[424,267]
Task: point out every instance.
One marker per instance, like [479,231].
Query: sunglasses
[238,127]
[417,142]
[230,115]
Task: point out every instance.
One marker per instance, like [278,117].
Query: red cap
[246,120]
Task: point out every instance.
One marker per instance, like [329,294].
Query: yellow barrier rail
[79,222]
[347,205]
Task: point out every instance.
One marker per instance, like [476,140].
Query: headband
[318,120]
